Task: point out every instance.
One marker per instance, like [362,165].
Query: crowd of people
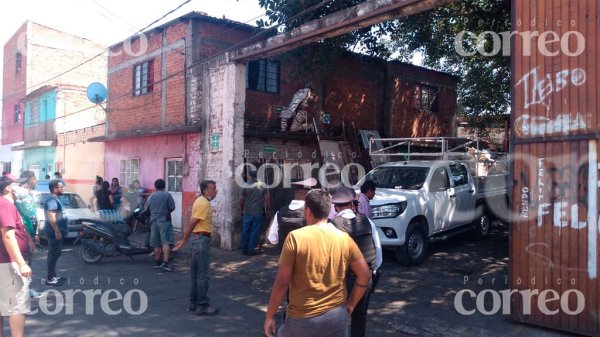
[328,266]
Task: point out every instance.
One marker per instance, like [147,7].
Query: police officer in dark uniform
[363,231]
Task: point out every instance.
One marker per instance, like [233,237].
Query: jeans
[333,323]
[252,224]
[200,247]
[358,323]
[54,252]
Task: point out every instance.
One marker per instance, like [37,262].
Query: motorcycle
[101,239]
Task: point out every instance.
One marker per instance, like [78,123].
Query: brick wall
[79,136]
[165,104]
[167,46]
[14,85]
[49,57]
[404,116]
[363,93]
[216,38]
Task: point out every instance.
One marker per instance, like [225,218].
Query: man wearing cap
[290,217]
[313,266]
[362,230]
[254,200]
[14,270]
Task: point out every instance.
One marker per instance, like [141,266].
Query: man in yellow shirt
[313,266]
[199,232]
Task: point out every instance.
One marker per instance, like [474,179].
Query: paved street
[415,301]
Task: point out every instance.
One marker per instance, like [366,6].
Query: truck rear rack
[482,160]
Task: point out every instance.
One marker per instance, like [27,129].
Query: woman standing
[117,193]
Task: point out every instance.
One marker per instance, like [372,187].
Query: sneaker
[34,294]
[206,310]
[55,281]
[157,264]
[192,307]
[165,266]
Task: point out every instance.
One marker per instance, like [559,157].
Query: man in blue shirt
[56,228]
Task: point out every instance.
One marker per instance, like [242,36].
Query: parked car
[74,207]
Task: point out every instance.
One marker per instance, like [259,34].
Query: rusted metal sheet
[554,229]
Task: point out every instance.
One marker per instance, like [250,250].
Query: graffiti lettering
[527,126]
[537,91]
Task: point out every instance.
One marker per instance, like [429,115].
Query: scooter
[101,239]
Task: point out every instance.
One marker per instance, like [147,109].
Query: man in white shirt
[290,217]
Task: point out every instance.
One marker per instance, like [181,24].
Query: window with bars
[263,75]
[18,60]
[426,98]
[174,175]
[143,78]
[129,171]
[17,113]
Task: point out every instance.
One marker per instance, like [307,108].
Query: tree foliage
[485,85]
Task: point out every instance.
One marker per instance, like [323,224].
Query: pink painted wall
[153,152]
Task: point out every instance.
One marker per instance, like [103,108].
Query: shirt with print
[53,204]
[320,256]
[202,211]
[10,218]
[26,205]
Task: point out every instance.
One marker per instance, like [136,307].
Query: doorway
[174,180]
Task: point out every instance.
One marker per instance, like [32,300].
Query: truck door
[443,205]
[463,195]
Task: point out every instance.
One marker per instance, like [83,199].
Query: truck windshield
[406,178]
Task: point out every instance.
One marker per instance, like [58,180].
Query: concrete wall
[79,171]
[223,95]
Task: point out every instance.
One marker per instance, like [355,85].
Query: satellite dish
[96,92]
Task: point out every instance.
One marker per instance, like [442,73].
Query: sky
[111,21]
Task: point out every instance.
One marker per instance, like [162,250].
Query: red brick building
[167,98]
[155,120]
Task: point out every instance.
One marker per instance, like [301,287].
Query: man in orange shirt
[199,232]
[313,266]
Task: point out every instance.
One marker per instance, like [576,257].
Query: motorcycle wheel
[88,255]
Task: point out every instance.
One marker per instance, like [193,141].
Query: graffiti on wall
[538,90]
[562,192]
[563,124]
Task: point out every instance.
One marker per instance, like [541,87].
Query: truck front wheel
[414,250]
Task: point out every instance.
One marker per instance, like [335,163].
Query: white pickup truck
[419,201]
